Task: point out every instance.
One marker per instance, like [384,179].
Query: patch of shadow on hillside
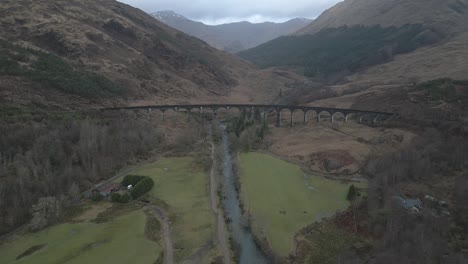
[31,251]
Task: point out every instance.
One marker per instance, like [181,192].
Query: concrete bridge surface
[360,115]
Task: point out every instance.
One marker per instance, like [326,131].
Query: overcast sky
[224,11]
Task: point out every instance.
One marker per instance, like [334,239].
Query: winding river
[249,252]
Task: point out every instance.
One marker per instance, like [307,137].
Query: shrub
[125,198]
[97,197]
[142,187]
[203,159]
[352,193]
[445,89]
[115,197]
[121,198]
[131,180]
[53,72]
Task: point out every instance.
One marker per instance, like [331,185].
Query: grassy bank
[185,188]
[282,200]
[121,240]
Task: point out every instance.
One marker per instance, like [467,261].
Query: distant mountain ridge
[232,37]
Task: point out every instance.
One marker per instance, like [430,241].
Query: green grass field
[185,188]
[282,200]
[121,240]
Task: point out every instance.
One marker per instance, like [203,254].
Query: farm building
[413,205]
[108,189]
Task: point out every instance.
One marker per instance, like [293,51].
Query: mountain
[448,17]
[379,54]
[357,34]
[81,52]
[232,37]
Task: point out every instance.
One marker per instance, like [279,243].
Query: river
[249,252]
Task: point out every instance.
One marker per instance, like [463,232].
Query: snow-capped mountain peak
[166,15]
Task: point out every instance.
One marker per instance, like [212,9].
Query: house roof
[109,188]
[408,203]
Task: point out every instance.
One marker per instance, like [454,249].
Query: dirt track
[163,219]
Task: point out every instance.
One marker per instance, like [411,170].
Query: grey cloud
[235,10]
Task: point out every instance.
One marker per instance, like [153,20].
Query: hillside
[339,51]
[80,53]
[391,86]
[362,55]
[448,17]
[232,37]
[356,34]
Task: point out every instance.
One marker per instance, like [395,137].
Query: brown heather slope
[391,86]
[153,62]
[448,16]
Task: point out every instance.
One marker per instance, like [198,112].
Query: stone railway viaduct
[347,114]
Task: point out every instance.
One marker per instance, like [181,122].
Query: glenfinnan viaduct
[264,109]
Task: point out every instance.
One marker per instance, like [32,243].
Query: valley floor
[182,188]
[116,233]
[281,199]
[121,240]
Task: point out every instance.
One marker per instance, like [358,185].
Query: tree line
[59,157]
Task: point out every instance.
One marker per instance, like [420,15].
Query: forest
[60,155]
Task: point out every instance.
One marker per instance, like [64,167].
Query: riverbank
[222,235]
[242,240]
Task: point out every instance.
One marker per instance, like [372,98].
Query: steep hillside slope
[356,34]
[232,37]
[449,16]
[392,86]
[335,51]
[375,53]
[82,52]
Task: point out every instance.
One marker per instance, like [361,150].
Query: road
[163,219]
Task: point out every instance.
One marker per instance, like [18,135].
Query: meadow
[121,240]
[282,199]
[184,187]
[180,187]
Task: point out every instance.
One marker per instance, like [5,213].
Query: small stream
[249,252]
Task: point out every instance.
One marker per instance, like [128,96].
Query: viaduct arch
[347,114]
